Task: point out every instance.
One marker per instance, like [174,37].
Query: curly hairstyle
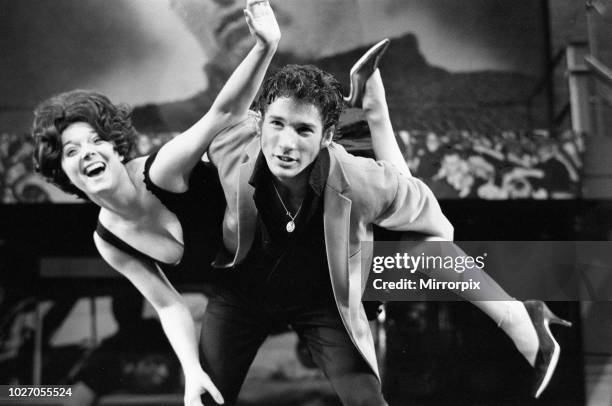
[111,122]
[305,83]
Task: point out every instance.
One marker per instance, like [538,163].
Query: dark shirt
[200,211]
[282,268]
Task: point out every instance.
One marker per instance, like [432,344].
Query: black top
[285,268]
[200,211]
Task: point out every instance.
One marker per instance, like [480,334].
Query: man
[298,261]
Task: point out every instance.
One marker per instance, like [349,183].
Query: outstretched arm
[173,313]
[375,108]
[176,159]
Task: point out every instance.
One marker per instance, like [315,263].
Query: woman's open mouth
[94,169]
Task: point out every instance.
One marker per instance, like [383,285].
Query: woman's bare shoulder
[135,167]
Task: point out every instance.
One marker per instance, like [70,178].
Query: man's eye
[276,123]
[97,140]
[305,131]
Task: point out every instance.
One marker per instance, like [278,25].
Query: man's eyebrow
[308,124]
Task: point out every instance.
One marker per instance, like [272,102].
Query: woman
[83,145]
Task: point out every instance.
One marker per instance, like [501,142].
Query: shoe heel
[561,322]
[548,354]
[361,72]
[551,318]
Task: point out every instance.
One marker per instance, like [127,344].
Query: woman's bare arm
[173,313]
[176,159]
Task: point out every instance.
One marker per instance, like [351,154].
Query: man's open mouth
[285,158]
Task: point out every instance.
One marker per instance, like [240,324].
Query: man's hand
[262,23]
[198,383]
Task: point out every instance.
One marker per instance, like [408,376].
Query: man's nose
[287,140]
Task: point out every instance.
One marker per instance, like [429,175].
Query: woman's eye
[69,152]
[277,124]
[97,140]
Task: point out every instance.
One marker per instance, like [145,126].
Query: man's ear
[259,123]
[328,135]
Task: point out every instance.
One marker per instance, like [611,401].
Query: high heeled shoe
[548,353]
[361,72]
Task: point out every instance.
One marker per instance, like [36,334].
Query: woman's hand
[262,23]
[197,383]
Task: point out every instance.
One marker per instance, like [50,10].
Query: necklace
[291,224]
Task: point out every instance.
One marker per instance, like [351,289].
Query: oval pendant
[290,226]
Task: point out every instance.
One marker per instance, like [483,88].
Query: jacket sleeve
[397,201]
[409,205]
[227,149]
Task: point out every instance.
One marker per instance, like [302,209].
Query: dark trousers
[235,326]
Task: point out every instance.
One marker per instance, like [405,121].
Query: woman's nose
[87,152]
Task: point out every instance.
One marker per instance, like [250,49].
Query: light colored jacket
[359,193]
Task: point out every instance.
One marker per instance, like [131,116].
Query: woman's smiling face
[90,162]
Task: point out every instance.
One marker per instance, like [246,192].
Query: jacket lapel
[336,220]
[344,265]
[247,212]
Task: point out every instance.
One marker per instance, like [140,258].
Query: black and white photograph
[306,202]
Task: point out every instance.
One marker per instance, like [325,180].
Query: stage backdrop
[462,80]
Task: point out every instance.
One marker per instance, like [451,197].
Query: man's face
[292,136]
[219,26]
[310,29]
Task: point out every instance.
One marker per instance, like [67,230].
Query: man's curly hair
[305,83]
[111,122]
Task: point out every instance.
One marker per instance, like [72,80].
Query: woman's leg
[377,114]
[513,317]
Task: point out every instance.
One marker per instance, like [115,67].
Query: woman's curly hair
[111,122]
